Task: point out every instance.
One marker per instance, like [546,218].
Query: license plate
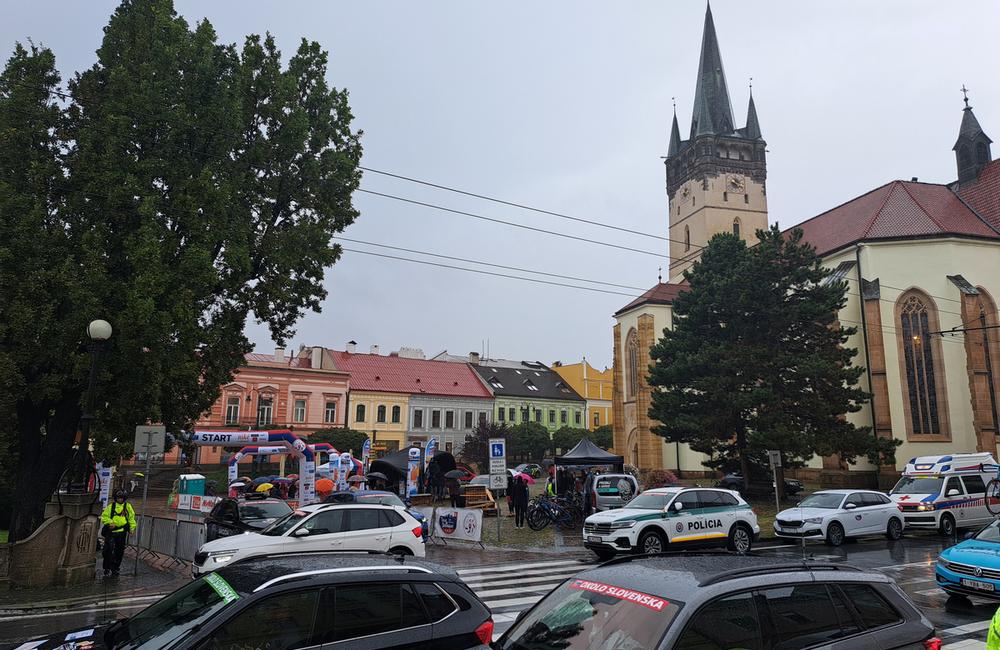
[593,538]
[978,584]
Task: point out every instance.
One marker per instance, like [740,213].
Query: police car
[675,517]
[945,492]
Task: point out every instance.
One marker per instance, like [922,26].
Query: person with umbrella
[454,487]
[377,480]
[324,487]
[355,482]
[520,499]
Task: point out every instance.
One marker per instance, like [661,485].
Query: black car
[333,600]
[710,601]
[245,515]
[734,481]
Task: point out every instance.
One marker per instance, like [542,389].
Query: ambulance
[945,493]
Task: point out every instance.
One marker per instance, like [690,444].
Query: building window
[447,447]
[299,412]
[525,415]
[330,413]
[233,410]
[725,196]
[468,418]
[449,419]
[359,413]
[494,382]
[736,228]
[964,157]
[265,409]
[435,419]
[687,238]
[511,414]
[538,415]
[380,413]
[500,415]
[924,387]
[396,413]
[482,417]
[418,419]
[552,416]
[529,385]
[632,364]
[597,419]
[577,418]
[982,153]
[562,416]
[746,198]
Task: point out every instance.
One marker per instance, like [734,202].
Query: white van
[945,492]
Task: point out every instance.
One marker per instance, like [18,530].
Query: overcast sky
[566,106]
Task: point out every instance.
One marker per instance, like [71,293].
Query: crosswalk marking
[521,581]
[534,573]
[509,568]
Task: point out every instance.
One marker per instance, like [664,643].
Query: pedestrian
[550,486]
[454,491]
[117,521]
[993,634]
[588,493]
[520,498]
[510,495]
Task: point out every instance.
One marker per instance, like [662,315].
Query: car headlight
[814,520]
[943,562]
[221,556]
[923,507]
[622,524]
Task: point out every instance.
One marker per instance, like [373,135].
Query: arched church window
[687,238]
[964,156]
[987,340]
[632,364]
[736,227]
[923,371]
[982,153]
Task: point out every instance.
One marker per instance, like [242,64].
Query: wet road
[513,581]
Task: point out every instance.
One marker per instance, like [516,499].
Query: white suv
[321,527]
[674,516]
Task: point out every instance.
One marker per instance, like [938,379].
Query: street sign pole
[498,471]
[145,490]
[774,460]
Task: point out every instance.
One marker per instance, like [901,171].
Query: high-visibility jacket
[550,488]
[993,636]
[119,516]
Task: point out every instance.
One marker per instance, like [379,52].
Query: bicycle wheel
[537,519]
[993,497]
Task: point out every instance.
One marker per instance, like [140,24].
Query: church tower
[972,149]
[715,178]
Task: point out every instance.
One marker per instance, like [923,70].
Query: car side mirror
[953,492]
[850,506]
[678,506]
[300,532]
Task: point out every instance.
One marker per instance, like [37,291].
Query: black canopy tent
[586,454]
[444,460]
[394,465]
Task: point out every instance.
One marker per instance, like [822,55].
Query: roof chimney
[374,349]
[474,358]
[279,355]
[352,346]
[317,358]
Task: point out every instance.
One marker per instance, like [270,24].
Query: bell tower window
[687,238]
[736,227]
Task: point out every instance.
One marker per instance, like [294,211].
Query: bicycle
[992,490]
[546,511]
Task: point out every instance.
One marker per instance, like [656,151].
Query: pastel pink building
[303,393]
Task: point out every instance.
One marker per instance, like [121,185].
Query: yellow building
[593,385]
[381,415]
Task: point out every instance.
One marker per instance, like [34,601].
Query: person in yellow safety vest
[117,521]
[993,636]
[550,487]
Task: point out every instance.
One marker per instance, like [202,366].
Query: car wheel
[947,525]
[651,541]
[894,530]
[400,550]
[740,539]
[835,534]
[603,555]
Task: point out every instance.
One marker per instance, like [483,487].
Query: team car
[675,517]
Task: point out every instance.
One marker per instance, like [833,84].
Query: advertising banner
[229,438]
[104,474]
[413,471]
[346,466]
[307,482]
[432,448]
[458,523]
[366,452]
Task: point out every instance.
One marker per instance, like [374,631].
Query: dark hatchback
[720,601]
[323,600]
[244,515]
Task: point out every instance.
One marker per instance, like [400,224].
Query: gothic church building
[918,257]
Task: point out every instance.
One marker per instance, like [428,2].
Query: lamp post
[98,331]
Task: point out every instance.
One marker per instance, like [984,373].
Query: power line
[499,266]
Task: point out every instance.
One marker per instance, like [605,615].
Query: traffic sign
[498,481]
[150,439]
[498,448]
[774,458]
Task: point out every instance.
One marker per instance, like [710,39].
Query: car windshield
[650,501]
[264,510]
[382,499]
[822,500]
[173,617]
[593,615]
[990,534]
[285,524]
[918,485]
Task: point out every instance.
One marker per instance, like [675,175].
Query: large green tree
[756,358]
[182,186]
[565,438]
[529,441]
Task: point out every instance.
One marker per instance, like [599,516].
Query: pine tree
[756,358]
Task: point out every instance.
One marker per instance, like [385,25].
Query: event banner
[104,475]
[432,448]
[413,471]
[346,466]
[229,438]
[366,452]
[458,523]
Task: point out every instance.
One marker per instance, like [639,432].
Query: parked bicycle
[544,511]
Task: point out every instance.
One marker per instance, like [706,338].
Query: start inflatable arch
[260,450]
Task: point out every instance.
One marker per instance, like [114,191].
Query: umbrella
[264,487]
[245,479]
[281,480]
[237,484]
[324,485]
[527,479]
[378,475]
[261,479]
[356,479]
[293,476]
[455,473]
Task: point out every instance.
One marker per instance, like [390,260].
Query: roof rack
[772,568]
[411,568]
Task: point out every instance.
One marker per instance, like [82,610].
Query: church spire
[972,149]
[675,137]
[752,129]
[713,113]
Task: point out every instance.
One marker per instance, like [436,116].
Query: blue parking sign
[497,449]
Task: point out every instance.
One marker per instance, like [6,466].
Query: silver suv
[613,491]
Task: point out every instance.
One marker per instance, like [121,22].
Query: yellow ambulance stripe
[691,538]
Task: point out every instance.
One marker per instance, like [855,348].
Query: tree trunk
[779,481]
[741,446]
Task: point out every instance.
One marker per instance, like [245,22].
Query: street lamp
[98,331]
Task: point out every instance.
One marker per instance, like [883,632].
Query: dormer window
[529,385]
[494,382]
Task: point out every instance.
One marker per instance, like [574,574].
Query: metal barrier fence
[168,538]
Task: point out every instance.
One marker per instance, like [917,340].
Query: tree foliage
[604,436]
[476,449]
[565,438]
[183,186]
[528,441]
[343,439]
[756,359]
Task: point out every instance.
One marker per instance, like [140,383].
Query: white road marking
[515,567]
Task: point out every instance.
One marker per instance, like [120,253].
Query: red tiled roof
[411,376]
[291,362]
[898,209]
[661,294]
[984,194]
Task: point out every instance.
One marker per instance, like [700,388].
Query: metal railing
[168,538]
